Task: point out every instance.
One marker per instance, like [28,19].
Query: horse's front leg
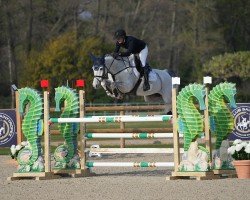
[115,90]
[104,85]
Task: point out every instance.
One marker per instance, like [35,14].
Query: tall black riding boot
[146,85]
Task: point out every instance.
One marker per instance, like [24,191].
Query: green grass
[127,125]
[140,146]
[4,151]
[130,125]
[58,137]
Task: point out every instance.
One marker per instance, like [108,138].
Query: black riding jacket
[132,44]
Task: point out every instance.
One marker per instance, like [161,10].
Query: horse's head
[99,70]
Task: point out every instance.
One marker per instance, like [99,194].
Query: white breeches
[143,56]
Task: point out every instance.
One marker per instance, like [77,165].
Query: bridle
[100,78]
[106,69]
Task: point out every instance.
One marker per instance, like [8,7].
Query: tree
[63,59]
[233,67]
[199,37]
[229,65]
[182,35]
[234,18]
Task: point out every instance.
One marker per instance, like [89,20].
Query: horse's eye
[101,68]
[95,68]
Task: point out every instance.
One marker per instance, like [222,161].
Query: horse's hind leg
[168,109]
[158,98]
[168,102]
[148,99]
[153,98]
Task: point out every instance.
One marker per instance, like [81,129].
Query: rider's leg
[143,57]
[132,63]
[146,85]
[131,59]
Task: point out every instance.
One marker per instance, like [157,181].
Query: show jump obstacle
[72,160]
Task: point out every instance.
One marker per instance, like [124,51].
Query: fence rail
[120,108]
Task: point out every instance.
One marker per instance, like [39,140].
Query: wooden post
[122,126]
[47,174]
[207,80]
[175,132]
[81,138]
[46,132]
[18,120]
[202,175]
[84,170]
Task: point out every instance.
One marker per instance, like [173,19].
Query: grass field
[127,125]
[4,151]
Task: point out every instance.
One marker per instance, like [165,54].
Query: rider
[133,46]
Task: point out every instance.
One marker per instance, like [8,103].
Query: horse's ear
[103,58]
[92,57]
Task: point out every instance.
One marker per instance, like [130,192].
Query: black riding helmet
[120,33]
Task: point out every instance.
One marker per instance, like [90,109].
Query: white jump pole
[129,135]
[133,150]
[129,164]
[105,119]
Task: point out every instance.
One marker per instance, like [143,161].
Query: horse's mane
[108,55]
[120,63]
[119,58]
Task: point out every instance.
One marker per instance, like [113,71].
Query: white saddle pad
[152,75]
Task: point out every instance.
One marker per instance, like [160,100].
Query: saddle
[141,71]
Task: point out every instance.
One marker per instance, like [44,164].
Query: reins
[107,71]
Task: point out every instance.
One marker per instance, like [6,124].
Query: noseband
[104,72]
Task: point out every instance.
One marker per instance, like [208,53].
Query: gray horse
[119,77]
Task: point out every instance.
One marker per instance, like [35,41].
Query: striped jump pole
[106,119]
[129,135]
[129,164]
